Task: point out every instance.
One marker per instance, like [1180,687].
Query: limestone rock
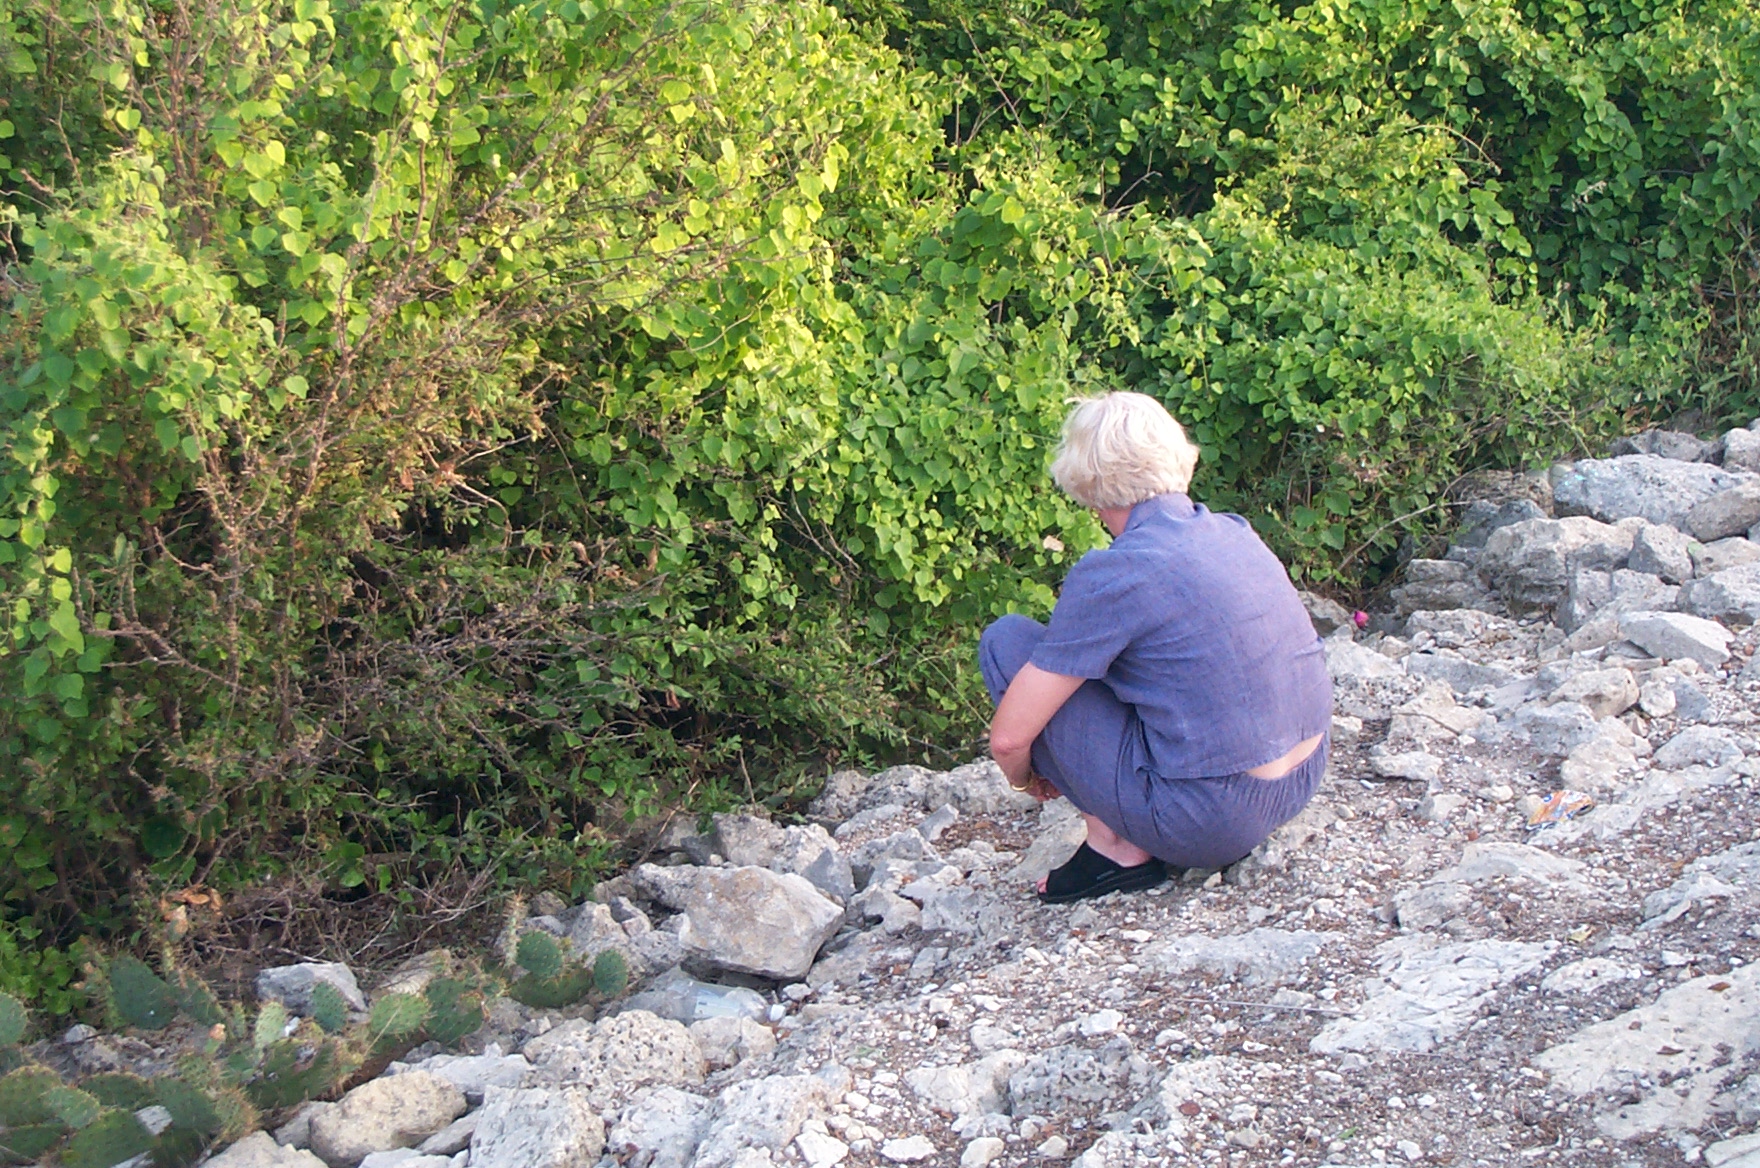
[1699,746]
[384,1114]
[1715,877]
[472,1073]
[805,850]
[1730,595]
[1606,692]
[257,1150]
[1664,552]
[1726,513]
[1437,585]
[1673,444]
[1328,615]
[1530,563]
[1588,975]
[1660,490]
[291,985]
[979,1088]
[726,1041]
[660,1128]
[749,920]
[1674,635]
[615,1055]
[1415,765]
[1426,996]
[1710,559]
[767,1113]
[1678,1039]
[1482,517]
[1459,672]
[1557,729]
[1065,1078]
[1741,450]
[537,1127]
[1430,905]
[1259,957]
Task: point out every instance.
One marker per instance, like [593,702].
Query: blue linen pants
[1093,751]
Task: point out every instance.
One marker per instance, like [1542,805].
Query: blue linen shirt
[1189,618]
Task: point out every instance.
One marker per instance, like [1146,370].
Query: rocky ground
[1518,925]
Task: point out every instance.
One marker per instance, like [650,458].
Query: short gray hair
[1121,448]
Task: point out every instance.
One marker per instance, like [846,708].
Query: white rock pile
[1517,926]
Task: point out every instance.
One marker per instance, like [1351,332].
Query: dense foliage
[434,433]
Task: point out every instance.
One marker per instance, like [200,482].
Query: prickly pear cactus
[196,1000]
[190,1107]
[22,1145]
[455,1009]
[24,1096]
[117,1089]
[552,993]
[141,997]
[72,1106]
[12,1020]
[271,1026]
[292,1072]
[329,1008]
[610,974]
[112,1137]
[540,954]
[396,1017]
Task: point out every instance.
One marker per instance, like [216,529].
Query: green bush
[435,436]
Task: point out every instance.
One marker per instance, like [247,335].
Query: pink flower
[1360,619]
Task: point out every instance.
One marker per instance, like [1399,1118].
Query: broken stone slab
[1069,1078]
[1687,1038]
[1588,975]
[384,1114]
[1675,444]
[767,1113]
[748,920]
[1556,729]
[1659,490]
[472,1074]
[1718,876]
[1061,831]
[1439,585]
[1726,513]
[728,1041]
[1675,635]
[1417,766]
[1741,450]
[1512,861]
[1459,672]
[1462,627]
[1710,559]
[613,1056]
[1430,905]
[1664,552]
[292,985]
[1328,615]
[1710,746]
[660,1127]
[1730,595]
[1530,563]
[804,849]
[976,1088]
[537,1127]
[258,1150]
[1426,996]
[1261,956]
[1606,693]
[1483,516]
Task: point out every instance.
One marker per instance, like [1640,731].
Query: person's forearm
[1016,764]
[1032,698]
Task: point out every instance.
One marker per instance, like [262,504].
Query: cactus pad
[179,1147]
[117,1089]
[189,1105]
[196,999]
[610,973]
[114,1136]
[552,993]
[12,1020]
[329,1009]
[292,1072]
[72,1106]
[271,1026]
[396,1017]
[539,954]
[23,1145]
[141,997]
[24,1096]
[455,1009]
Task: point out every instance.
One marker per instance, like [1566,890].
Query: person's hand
[1037,786]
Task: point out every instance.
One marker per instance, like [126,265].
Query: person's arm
[1031,699]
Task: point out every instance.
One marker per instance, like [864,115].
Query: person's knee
[1005,646]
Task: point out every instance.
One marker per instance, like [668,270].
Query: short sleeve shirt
[1190,618]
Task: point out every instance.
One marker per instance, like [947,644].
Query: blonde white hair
[1121,448]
